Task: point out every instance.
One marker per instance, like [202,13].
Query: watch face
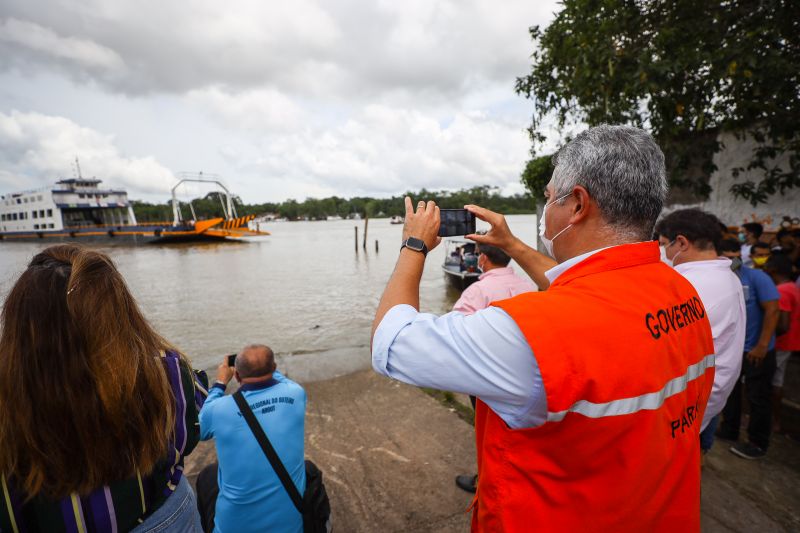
[415,244]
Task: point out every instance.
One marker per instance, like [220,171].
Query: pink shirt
[496,284]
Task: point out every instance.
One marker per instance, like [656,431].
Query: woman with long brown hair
[97,409]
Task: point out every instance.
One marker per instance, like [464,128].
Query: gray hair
[255,360]
[623,170]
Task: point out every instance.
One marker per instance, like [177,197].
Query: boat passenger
[99,410]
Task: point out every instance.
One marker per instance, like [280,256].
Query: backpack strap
[269,451]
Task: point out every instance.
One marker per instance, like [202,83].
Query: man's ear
[237,376]
[682,242]
[581,207]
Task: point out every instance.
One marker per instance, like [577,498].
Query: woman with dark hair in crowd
[98,410]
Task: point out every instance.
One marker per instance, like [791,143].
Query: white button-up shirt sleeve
[484,354]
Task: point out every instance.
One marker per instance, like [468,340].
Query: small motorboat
[460,263]
[396,220]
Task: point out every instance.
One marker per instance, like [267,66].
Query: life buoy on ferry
[110,233]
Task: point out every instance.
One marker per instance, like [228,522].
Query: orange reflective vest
[626,357]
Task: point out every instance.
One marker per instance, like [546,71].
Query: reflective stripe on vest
[649,401]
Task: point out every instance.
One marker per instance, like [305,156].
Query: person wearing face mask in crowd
[498,282]
[759,361]
[689,239]
[590,393]
[749,234]
[759,255]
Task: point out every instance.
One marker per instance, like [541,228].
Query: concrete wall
[734,211]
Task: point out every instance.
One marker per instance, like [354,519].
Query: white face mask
[667,260]
[548,243]
[664,258]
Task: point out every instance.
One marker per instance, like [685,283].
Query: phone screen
[231,359]
[456,222]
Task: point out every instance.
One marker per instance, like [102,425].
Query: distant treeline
[210,205]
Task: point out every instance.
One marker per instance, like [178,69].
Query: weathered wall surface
[734,211]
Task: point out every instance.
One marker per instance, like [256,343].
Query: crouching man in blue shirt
[250,495]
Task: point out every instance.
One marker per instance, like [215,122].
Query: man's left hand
[224,372]
[757,354]
[424,224]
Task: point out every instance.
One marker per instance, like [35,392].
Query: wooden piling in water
[366,223]
[356,230]
[376,245]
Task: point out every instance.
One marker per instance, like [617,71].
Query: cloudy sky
[297,99]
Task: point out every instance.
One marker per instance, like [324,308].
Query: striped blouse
[122,505]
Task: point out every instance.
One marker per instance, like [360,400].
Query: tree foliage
[684,70]
[537,174]
[321,208]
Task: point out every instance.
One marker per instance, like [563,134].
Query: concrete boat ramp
[390,453]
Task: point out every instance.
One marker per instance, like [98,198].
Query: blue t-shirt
[758,288]
[251,497]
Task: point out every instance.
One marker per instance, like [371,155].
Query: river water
[304,290]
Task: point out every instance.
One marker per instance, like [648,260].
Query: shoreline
[390,452]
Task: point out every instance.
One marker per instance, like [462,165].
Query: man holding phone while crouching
[243,492]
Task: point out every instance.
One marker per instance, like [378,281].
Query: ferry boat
[80,209]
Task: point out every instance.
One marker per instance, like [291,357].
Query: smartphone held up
[231,359]
[456,222]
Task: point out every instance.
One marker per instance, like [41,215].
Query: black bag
[314,504]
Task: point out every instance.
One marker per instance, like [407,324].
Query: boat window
[13,216]
[49,225]
[19,201]
[34,214]
[41,213]
[39,197]
[49,212]
[36,226]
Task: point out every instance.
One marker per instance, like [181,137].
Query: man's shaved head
[255,360]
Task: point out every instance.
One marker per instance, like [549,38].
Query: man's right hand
[500,235]
[224,372]
[422,224]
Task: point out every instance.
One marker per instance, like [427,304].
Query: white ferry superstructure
[79,209]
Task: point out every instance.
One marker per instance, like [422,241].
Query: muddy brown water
[303,290]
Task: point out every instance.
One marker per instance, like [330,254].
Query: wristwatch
[418,245]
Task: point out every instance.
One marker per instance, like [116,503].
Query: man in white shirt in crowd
[498,282]
[690,238]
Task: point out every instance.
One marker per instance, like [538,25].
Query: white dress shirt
[484,354]
[721,293]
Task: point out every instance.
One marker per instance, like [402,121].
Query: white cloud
[299,99]
[383,151]
[48,46]
[343,49]
[36,150]
[254,109]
